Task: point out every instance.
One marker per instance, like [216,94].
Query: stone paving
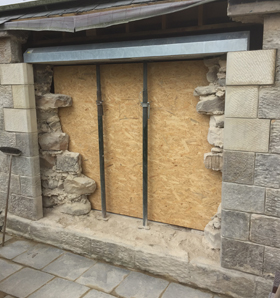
[35,270]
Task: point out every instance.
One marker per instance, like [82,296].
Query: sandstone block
[24,96]
[26,166]
[215,136]
[267,170]
[20,120]
[76,208]
[212,236]
[16,74]
[243,197]
[217,121]
[246,134]
[242,256]
[15,183]
[28,143]
[242,101]
[213,161]
[239,167]
[205,90]
[272,202]
[30,186]
[251,67]
[7,139]
[79,185]
[69,162]
[211,106]
[53,101]
[271,260]
[235,225]
[274,145]
[6,97]
[265,230]
[54,141]
[269,105]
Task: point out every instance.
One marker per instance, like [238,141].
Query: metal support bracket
[146,105]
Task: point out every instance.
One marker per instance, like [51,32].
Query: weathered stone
[212,236]
[31,186]
[235,225]
[43,76]
[49,202]
[205,90]
[220,93]
[26,166]
[263,287]
[246,134]
[208,62]
[6,97]
[267,170]
[238,167]
[272,203]
[28,143]
[69,162]
[271,260]
[212,106]
[251,67]
[47,116]
[2,126]
[12,250]
[16,74]
[217,121]
[53,101]
[223,64]
[216,150]
[213,161]
[7,139]
[24,96]
[76,208]
[10,50]
[243,256]
[7,269]
[269,105]
[221,75]
[79,185]
[47,161]
[180,291]
[265,230]
[274,145]
[243,197]
[215,136]
[15,184]
[211,75]
[242,101]
[54,141]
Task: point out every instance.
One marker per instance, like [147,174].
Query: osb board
[181,190]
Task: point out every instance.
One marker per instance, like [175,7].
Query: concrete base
[176,253]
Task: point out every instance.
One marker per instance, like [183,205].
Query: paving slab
[69,266]
[24,282]
[12,250]
[98,294]
[179,291]
[39,256]
[104,277]
[7,238]
[138,285]
[60,288]
[7,269]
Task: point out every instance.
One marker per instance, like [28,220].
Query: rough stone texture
[235,225]
[272,202]
[180,291]
[263,287]
[274,145]
[211,105]
[243,256]
[267,170]
[16,74]
[53,101]
[24,96]
[97,294]
[215,136]
[81,207]
[28,143]
[6,97]
[43,76]
[211,75]
[265,230]
[205,90]
[7,139]
[212,236]
[269,106]
[217,121]
[7,269]
[242,101]
[69,162]
[213,161]
[54,141]
[47,161]
[239,167]
[25,166]
[15,184]
[246,134]
[20,120]
[2,126]
[271,260]
[243,198]
[16,248]
[79,185]
[31,186]
[251,68]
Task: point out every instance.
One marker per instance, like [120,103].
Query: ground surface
[30,269]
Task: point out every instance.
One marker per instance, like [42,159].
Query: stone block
[10,50]
[16,248]
[30,208]
[31,186]
[205,90]
[213,161]
[7,269]
[180,291]
[54,141]
[217,121]
[267,171]
[24,96]
[47,161]
[4,163]
[263,287]
[2,126]
[274,145]
[235,225]
[26,166]
[215,136]
[20,120]
[269,103]
[76,208]
[53,101]
[243,256]
[265,230]
[79,185]
[243,197]
[239,167]
[212,236]
[7,139]
[15,184]
[69,162]
[242,101]
[6,97]
[272,202]
[271,260]
[28,143]
[97,294]
[16,74]
[211,105]
[251,67]
[246,134]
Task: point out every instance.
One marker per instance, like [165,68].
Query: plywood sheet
[181,190]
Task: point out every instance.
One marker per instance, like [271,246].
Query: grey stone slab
[60,288]
[239,167]
[97,294]
[7,237]
[104,277]
[24,282]
[263,287]
[7,139]
[28,143]
[272,202]
[12,250]
[6,97]
[26,166]
[265,230]
[39,256]
[179,291]
[31,186]
[274,145]
[15,184]
[235,225]
[267,170]
[243,256]
[7,269]
[138,285]
[69,266]
[271,260]
[243,197]
[269,105]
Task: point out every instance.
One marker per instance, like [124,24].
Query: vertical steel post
[101,142]
[145,105]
